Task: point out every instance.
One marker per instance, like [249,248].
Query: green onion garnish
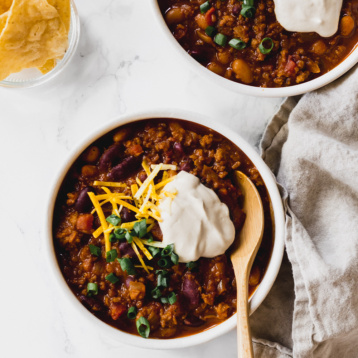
[111,255]
[95,250]
[153,250]
[112,278]
[172,298]
[248,9]
[140,228]
[191,265]
[210,31]
[129,237]
[114,220]
[205,7]
[112,238]
[163,263]
[132,313]
[162,281]
[92,289]
[220,39]
[163,300]
[175,258]
[143,327]
[266,45]
[127,265]
[150,237]
[156,293]
[167,251]
[120,234]
[237,44]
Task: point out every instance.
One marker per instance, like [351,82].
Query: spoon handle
[244,343]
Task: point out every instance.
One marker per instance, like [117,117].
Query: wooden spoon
[243,254]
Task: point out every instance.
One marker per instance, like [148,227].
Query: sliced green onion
[167,251]
[249,2]
[143,327]
[111,255]
[163,263]
[163,300]
[132,313]
[129,237]
[191,265]
[248,11]
[112,278]
[205,7]
[266,45]
[210,31]
[172,298]
[153,250]
[112,238]
[161,272]
[120,234]
[162,281]
[156,293]
[175,258]
[150,237]
[237,44]
[95,250]
[114,220]
[127,265]
[140,228]
[92,289]
[220,39]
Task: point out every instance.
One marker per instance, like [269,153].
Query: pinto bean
[201,21]
[110,156]
[203,36]
[174,16]
[124,169]
[83,203]
[89,171]
[190,289]
[319,47]
[242,71]
[121,135]
[346,25]
[91,154]
[216,68]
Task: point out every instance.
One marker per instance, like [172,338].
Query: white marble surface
[123,64]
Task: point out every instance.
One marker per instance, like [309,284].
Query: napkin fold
[311,145]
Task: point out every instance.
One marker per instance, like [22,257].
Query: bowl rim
[279,222]
[74,37]
[350,60]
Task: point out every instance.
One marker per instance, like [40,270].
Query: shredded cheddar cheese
[144,198]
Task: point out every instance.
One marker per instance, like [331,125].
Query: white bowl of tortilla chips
[37,40]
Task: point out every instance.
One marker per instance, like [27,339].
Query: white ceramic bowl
[274,264]
[305,87]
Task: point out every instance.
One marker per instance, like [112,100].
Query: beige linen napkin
[311,145]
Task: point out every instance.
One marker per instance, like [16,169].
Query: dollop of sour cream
[321,16]
[194,219]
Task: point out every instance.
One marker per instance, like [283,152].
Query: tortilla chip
[3,19]
[33,34]
[5,5]
[64,9]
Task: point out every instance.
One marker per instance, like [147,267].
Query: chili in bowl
[242,45]
[141,222]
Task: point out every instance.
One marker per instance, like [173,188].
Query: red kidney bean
[128,280]
[190,289]
[236,10]
[83,203]
[185,165]
[126,249]
[193,321]
[127,215]
[124,169]
[178,148]
[110,156]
